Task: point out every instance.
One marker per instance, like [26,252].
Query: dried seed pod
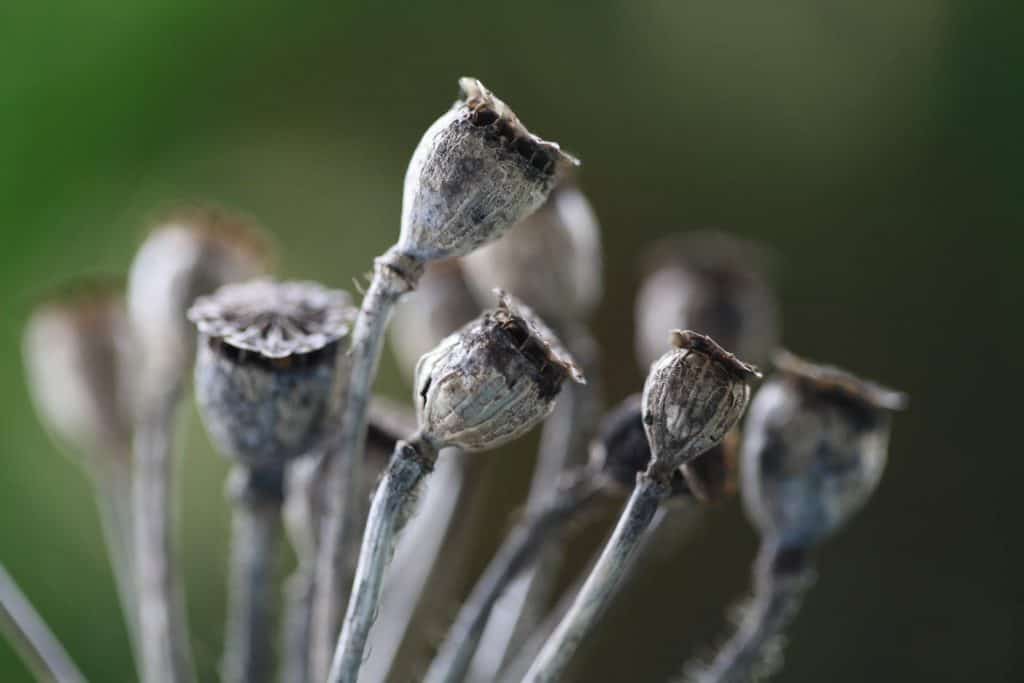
[620,450]
[814,449]
[693,396]
[265,365]
[191,254]
[710,282]
[492,381]
[78,359]
[440,305]
[476,172]
[551,259]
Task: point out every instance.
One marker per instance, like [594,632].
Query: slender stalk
[602,582]
[162,623]
[781,578]
[113,493]
[394,275]
[32,638]
[517,553]
[429,537]
[391,507]
[255,535]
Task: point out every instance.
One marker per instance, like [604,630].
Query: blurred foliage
[874,146]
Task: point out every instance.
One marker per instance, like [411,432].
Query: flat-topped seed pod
[476,172]
[814,449]
[492,381]
[265,366]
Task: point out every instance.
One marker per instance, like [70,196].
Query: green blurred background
[875,146]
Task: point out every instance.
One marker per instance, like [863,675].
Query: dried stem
[602,582]
[255,535]
[781,578]
[162,624]
[391,507]
[32,638]
[394,275]
[517,553]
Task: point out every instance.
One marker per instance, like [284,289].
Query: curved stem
[602,582]
[391,507]
[32,638]
[781,578]
[163,630]
[255,533]
[394,275]
[523,545]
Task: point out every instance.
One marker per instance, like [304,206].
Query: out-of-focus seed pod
[265,366]
[78,355]
[440,305]
[476,172]
[713,283]
[190,254]
[551,259]
[814,449]
[693,396]
[620,450]
[492,381]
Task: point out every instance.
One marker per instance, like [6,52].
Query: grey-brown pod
[492,381]
[620,450]
[712,282]
[551,259]
[693,396]
[814,449]
[191,253]
[265,366]
[79,361]
[476,172]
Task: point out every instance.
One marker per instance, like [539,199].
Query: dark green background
[875,146]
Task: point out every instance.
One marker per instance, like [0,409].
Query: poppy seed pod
[265,365]
[492,381]
[711,282]
[77,352]
[813,451]
[191,254]
[551,259]
[476,172]
[693,396]
[620,450]
[440,304]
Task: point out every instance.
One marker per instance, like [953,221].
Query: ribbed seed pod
[476,172]
[492,381]
[693,396]
[814,449]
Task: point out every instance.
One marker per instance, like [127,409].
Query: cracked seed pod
[191,254]
[620,450]
[476,172]
[814,449]
[79,365]
[265,366]
[551,259]
[492,381]
[711,282]
[440,304]
[693,396]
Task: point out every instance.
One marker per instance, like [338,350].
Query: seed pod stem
[602,582]
[391,507]
[394,275]
[162,623]
[31,638]
[522,546]
[255,536]
[781,579]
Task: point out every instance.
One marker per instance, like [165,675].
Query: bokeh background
[876,147]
